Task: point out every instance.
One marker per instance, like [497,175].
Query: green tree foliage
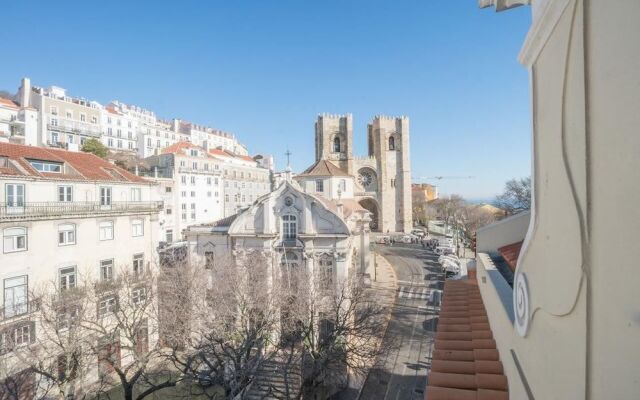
[96,147]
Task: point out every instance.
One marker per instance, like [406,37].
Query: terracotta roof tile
[83,166]
[323,168]
[510,254]
[465,362]
[8,103]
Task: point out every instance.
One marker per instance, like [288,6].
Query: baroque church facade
[383,177]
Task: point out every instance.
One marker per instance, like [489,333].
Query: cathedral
[382,179]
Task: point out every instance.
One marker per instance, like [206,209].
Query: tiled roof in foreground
[323,168]
[510,254]
[465,363]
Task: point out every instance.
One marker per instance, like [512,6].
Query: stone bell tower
[334,140]
[388,139]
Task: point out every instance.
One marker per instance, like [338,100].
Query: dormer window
[336,145]
[46,166]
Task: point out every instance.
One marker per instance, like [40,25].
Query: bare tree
[340,333]
[448,208]
[475,217]
[123,332]
[516,196]
[228,322]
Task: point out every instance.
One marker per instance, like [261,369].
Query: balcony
[52,210]
[84,129]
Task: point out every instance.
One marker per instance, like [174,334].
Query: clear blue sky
[265,69]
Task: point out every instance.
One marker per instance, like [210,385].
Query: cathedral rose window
[365,179]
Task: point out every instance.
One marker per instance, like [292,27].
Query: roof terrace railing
[21,211]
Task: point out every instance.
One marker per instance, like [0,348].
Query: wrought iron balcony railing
[18,211]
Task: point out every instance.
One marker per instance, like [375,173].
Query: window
[14,195]
[343,185]
[138,264]
[106,230]
[326,272]
[183,179]
[208,259]
[137,227]
[148,142]
[67,278]
[208,180]
[15,239]
[138,295]
[119,144]
[393,183]
[105,196]
[336,145]
[46,166]
[289,227]
[16,296]
[208,194]
[69,114]
[110,142]
[184,206]
[66,234]
[226,198]
[226,183]
[184,216]
[216,194]
[215,181]
[136,194]
[106,270]
[193,194]
[22,335]
[193,206]
[392,143]
[168,211]
[157,143]
[243,198]
[193,215]
[169,235]
[167,189]
[94,120]
[183,163]
[183,193]
[142,339]
[319,185]
[65,193]
[193,180]
[195,165]
[206,166]
[83,118]
[107,305]
[54,110]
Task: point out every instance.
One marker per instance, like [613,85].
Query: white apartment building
[63,121]
[190,181]
[119,130]
[66,216]
[245,180]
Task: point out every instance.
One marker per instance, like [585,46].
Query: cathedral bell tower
[334,140]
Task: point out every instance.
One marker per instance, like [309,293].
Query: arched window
[326,273]
[289,227]
[392,143]
[336,144]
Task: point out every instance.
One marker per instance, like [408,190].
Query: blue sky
[265,69]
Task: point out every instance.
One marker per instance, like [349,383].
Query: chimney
[25,92]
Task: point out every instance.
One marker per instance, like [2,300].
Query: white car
[448,266]
[450,257]
[445,250]
[418,232]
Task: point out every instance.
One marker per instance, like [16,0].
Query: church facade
[383,177]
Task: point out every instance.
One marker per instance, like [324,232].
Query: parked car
[450,257]
[442,250]
[383,240]
[418,232]
[450,267]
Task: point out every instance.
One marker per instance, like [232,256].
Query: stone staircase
[272,378]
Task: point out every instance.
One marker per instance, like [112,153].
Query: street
[403,373]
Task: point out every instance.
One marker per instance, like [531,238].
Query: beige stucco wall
[579,258]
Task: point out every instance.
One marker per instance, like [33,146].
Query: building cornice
[542,28]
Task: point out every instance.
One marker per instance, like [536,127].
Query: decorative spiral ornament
[521,303]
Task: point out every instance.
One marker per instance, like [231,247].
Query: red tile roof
[510,254]
[8,103]
[82,166]
[465,362]
[226,153]
[178,147]
[323,168]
